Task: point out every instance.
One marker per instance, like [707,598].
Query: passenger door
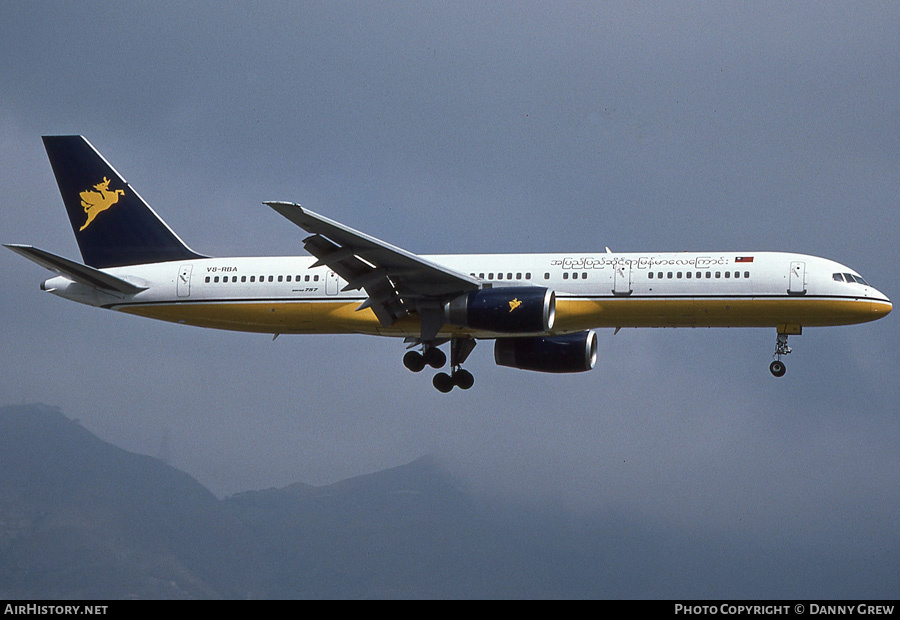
[797,284]
[622,279]
[183,285]
[331,283]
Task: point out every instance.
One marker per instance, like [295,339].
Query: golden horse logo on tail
[95,202]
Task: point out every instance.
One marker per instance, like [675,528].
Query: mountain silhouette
[80,518]
[83,519]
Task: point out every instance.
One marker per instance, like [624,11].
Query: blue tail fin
[113,225]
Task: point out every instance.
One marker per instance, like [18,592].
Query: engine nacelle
[506,310]
[567,353]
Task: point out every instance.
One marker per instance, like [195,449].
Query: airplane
[540,310]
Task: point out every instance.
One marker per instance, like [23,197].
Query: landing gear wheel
[434,357]
[414,361]
[777,368]
[463,379]
[443,382]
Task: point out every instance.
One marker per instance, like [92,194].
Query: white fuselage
[282,295]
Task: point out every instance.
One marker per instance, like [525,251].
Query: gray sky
[480,127]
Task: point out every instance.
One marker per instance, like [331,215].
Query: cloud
[470,128]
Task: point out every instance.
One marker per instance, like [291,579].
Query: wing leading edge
[397,282]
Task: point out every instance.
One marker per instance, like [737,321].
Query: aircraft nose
[880,308]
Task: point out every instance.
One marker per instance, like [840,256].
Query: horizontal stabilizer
[76,271]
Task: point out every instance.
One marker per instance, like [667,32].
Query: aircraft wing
[396,281]
[75,271]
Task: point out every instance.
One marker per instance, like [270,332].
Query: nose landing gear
[777,367]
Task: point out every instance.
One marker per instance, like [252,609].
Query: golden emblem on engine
[94,202]
[515,303]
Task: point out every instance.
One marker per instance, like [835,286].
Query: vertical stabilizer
[112,223]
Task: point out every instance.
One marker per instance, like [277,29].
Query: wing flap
[384,299]
[396,281]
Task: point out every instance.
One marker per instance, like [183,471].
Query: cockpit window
[848,277]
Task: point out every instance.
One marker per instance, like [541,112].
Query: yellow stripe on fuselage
[577,314]
[283,317]
[572,314]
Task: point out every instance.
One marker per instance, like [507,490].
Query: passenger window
[708,275]
[306,278]
[499,276]
[315,278]
[575,275]
[669,275]
[234,278]
[509,276]
[528,276]
[746,274]
[565,275]
[490,276]
[243,278]
[280,278]
[288,278]
[584,276]
[699,274]
[518,276]
[688,275]
[718,274]
[207,279]
[650,275]
[659,275]
[271,278]
[216,279]
[727,274]
[547,275]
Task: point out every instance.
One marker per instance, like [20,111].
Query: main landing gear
[432,356]
[777,367]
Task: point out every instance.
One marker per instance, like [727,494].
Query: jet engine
[567,353]
[506,310]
